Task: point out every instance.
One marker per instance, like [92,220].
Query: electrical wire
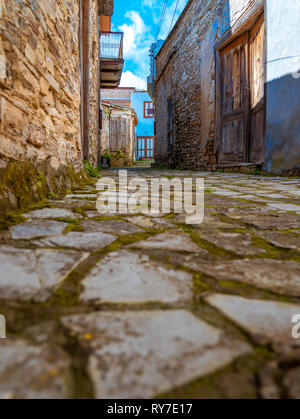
[162,16]
[174,16]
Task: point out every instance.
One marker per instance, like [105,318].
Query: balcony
[111,58]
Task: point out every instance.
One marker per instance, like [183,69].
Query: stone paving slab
[93,197]
[82,241]
[52,213]
[239,243]
[278,276]
[34,274]
[32,372]
[270,222]
[210,222]
[142,221]
[142,354]
[272,195]
[173,240]
[281,240]
[117,227]
[267,321]
[127,277]
[285,207]
[69,204]
[292,383]
[225,192]
[37,228]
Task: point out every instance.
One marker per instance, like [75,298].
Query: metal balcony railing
[111,45]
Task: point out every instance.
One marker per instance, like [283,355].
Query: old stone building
[118,129]
[121,96]
[49,90]
[227,88]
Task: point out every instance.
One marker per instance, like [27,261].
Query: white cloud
[137,41]
[149,3]
[131,80]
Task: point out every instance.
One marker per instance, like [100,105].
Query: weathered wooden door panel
[240,117]
[257,95]
[232,146]
[118,134]
[234,102]
[257,139]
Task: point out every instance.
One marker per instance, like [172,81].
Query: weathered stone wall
[40,81]
[94,85]
[120,96]
[41,91]
[186,73]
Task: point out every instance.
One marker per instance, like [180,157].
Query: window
[148,110]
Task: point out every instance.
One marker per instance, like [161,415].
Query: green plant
[39,177]
[120,159]
[52,195]
[120,154]
[106,154]
[91,170]
[258,172]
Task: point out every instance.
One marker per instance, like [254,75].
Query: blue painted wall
[145,125]
[283,85]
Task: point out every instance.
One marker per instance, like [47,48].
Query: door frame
[227,41]
[139,149]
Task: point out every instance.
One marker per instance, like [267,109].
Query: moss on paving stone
[225,219]
[16,217]
[73,225]
[237,381]
[81,385]
[11,219]
[200,286]
[79,210]
[210,247]
[274,252]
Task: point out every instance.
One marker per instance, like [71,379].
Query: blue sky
[139,20]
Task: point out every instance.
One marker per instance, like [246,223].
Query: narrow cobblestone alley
[138,307]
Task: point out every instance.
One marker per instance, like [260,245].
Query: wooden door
[257,94]
[234,102]
[240,98]
[118,134]
[145,148]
